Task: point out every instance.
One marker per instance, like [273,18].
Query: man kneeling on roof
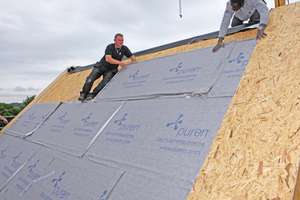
[242,10]
[108,67]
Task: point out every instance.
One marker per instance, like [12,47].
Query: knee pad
[88,80]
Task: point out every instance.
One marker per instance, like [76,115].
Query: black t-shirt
[116,54]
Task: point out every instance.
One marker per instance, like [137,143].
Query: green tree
[13,109]
[26,102]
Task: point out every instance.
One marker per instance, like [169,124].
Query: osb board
[255,155]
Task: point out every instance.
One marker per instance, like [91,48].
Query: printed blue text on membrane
[184,136]
[181,74]
[125,131]
[88,127]
[2,155]
[24,185]
[237,72]
[187,132]
[28,121]
[59,191]
[136,80]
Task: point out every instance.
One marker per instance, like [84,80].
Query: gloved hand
[260,34]
[219,45]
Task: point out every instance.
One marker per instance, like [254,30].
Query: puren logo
[30,117]
[2,156]
[176,69]
[61,119]
[87,122]
[31,174]
[121,120]
[179,69]
[58,191]
[188,132]
[126,127]
[239,60]
[44,116]
[15,163]
[136,77]
[178,121]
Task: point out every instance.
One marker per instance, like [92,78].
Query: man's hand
[219,45]
[260,34]
[261,31]
[123,65]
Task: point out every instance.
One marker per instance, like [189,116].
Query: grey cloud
[20,89]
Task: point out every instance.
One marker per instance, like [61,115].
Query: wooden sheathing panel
[255,155]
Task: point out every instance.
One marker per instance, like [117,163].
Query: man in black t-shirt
[108,67]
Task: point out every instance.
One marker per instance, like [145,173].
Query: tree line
[13,109]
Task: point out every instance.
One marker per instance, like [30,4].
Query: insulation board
[163,139]
[187,72]
[14,153]
[31,119]
[51,174]
[74,125]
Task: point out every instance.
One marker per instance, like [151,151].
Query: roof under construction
[181,123]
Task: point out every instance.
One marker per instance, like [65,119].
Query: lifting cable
[180,12]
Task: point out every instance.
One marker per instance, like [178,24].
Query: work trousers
[96,73]
[254,19]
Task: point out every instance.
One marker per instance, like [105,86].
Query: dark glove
[218,46]
[260,34]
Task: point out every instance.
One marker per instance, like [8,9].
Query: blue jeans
[96,73]
[254,19]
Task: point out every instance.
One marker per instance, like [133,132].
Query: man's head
[236,4]
[119,39]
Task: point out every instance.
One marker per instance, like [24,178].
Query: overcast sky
[39,39]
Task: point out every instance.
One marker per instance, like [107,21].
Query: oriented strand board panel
[255,154]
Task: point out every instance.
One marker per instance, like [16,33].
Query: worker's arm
[133,59]
[263,11]
[219,45]
[5,120]
[261,31]
[109,59]
[224,27]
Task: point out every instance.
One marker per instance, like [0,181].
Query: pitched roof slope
[255,154]
[66,87]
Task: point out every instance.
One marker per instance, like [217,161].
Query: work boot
[89,97]
[82,96]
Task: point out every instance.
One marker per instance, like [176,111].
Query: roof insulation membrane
[134,147]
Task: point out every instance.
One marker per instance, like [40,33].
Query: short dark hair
[118,34]
[239,2]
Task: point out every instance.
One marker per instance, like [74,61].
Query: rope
[180,12]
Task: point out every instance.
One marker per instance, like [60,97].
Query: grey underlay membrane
[163,139]
[14,153]
[31,119]
[233,69]
[145,136]
[194,71]
[73,126]
[51,174]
